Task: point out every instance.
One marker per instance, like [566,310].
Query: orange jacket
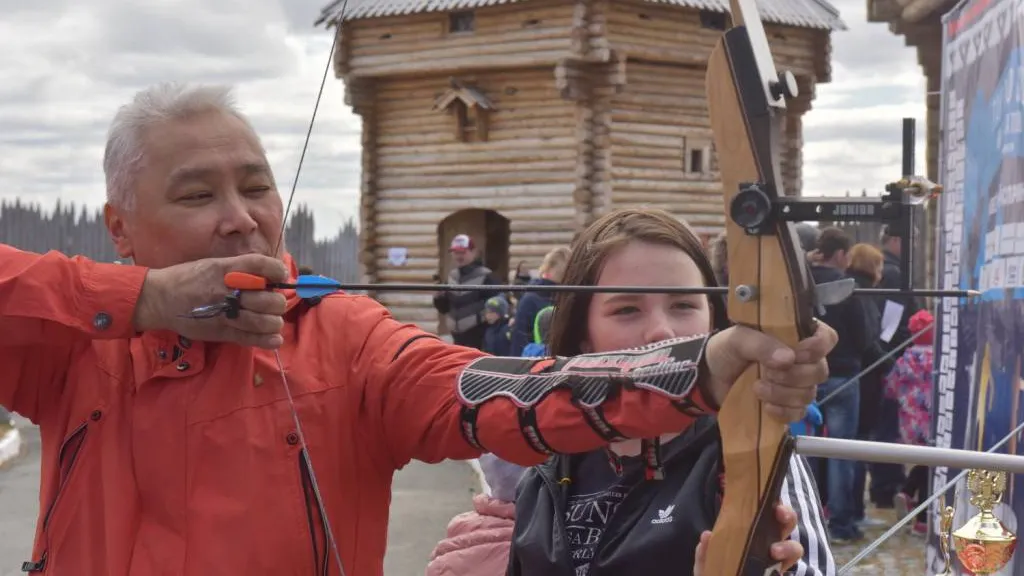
[164,456]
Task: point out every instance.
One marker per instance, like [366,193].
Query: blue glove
[810,424]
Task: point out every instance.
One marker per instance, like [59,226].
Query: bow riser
[770,290]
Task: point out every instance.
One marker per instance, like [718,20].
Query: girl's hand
[787,552]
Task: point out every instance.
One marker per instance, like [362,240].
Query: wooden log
[415,210]
[464,64]
[561,200]
[401,157]
[498,177]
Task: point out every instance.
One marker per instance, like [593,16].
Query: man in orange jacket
[169,445]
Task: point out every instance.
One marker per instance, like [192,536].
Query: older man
[168,443]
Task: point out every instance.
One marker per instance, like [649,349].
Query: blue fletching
[309,286]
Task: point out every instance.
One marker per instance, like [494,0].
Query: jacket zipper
[66,458]
[558,496]
[314,516]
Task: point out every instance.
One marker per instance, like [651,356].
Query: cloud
[853,134]
[68,66]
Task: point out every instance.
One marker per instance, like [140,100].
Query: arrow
[311,286]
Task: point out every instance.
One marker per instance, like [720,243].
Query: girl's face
[617,321]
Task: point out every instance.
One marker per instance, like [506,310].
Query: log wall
[653,32]
[599,104]
[520,34]
[526,171]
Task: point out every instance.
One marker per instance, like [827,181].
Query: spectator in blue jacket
[551,271]
[497,337]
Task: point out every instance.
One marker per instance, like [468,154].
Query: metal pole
[907,223]
[906,454]
[921,507]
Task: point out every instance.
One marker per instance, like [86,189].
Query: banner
[980,342]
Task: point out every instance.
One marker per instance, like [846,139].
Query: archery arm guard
[637,393]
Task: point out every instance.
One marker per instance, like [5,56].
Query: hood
[822,274]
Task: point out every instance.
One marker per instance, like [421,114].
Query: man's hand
[168,294]
[787,552]
[789,377]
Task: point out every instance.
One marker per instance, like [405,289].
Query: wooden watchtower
[519,122]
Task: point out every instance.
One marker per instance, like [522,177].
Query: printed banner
[980,245]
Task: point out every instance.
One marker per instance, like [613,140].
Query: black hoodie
[655,528]
[852,320]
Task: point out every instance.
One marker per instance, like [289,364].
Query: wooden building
[520,121]
[920,24]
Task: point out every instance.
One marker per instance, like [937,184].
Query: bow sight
[755,210]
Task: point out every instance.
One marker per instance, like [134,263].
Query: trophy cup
[983,545]
[945,533]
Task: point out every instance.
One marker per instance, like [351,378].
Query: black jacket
[891,277]
[852,319]
[685,503]
[874,348]
[526,312]
[468,303]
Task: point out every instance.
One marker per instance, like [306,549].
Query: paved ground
[425,499]
[901,554]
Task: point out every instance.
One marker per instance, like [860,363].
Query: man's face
[462,257]
[491,316]
[204,190]
[894,245]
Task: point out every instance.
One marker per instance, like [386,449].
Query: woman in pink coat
[478,541]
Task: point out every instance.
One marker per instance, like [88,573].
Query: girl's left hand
[787,552]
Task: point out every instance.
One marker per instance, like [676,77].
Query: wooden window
[469,127]
[461,22]
[696,156]
[714,20]
[470,109]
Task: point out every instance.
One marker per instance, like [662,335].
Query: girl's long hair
[591,249]
[867,260]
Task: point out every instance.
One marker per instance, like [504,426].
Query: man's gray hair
[123,156]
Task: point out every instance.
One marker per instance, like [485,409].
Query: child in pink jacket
[478,541]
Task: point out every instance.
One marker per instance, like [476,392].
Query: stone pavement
[903,553]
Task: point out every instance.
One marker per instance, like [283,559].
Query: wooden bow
[770,288]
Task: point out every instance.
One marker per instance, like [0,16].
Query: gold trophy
[945,533]
[983,545]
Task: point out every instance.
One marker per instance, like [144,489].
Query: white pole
[906,454]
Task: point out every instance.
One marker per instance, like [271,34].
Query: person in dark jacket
[464,310]
[865,268]
[497,338]
[888,479]
[838,398]
[551,271]
[595,513]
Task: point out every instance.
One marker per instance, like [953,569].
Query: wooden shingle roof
[800,13]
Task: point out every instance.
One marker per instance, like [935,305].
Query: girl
[594,514]
[910,384]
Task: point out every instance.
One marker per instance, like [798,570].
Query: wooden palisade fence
[78,230]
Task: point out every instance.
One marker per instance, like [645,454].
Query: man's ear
[119,231]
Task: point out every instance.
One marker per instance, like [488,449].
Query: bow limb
[769,286]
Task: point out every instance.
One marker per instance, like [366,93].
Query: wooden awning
[470,96]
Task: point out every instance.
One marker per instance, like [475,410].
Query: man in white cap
[464,309]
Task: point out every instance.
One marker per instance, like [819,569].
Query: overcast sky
[67,66]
